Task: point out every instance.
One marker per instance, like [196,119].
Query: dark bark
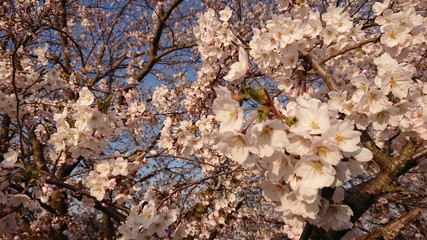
[108,227]
[361,197]
[4,136]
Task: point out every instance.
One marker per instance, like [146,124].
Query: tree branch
[361,197]
[329,80]
[104,206]
[153,57]
[380,157]
[162,17]
[4,135]
[353,47]
[392,229]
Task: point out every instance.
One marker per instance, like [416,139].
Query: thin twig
[353,47]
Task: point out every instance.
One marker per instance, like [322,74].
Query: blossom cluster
[274,48]
[390,103]
[291,102]
[8,104]
[388,100]
[215,39]
[163,99]
[401,29]
[209,215]
[83,130]
[10,167]
[187,138]
[148,219]
[298,159]
[103,177]
[313,143]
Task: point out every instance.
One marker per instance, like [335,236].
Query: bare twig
[197,182]
[104,205]
[349,48]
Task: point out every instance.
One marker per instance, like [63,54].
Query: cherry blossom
[227,111]
[10,158]
[238,69]
[212,120]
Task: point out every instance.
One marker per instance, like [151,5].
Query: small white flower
[10,158]
[344,136]
[268,137]
[103,168]
[227,111]
[395,35]
[281,169]
[327,150]
[225,14]
[238,69]
[374,101]
[86,97]
[378,7]
[272,192]
[314,173]
[235,144]
[149,215]
[120,167]
[312,117]
[17,199]
[334,216]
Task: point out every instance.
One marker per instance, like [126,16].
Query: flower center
[317,166]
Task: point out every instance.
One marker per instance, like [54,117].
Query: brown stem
[311,60]
[153,52]
[380,157]
[63,37]
[361,197]
[37,148]
[108,227]
[308,229]
[349,48]
[59,198]
[197,182]
[4,135]
[391,230]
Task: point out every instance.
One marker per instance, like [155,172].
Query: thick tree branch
[37,148]
[4,135]
[153,53]
[308,229]
[392,229]
[311,60]
[419,155]
[380,157]
[361,197]
[175,48]
[108,227]
[393,169]
[65,34]
[63,37]
[161,23]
